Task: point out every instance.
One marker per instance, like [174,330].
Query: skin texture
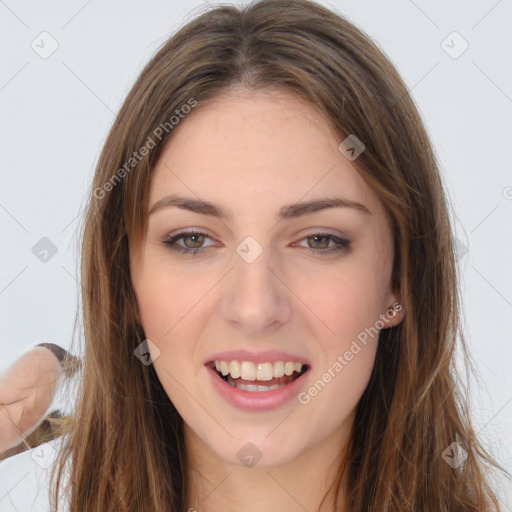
[26,392]
[254,153]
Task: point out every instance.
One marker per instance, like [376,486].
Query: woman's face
[256,283]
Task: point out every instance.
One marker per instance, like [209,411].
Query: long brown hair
[126,442]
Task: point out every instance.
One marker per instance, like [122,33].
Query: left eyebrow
[289,211]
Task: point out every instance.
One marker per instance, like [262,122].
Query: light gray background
[56,112]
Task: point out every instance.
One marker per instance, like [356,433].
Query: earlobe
[394,314]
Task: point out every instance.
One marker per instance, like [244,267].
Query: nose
[255,296]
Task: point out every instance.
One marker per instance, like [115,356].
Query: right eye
[197,236]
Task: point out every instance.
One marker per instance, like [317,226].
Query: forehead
[253,150]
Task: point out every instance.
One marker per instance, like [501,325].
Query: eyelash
[170,242]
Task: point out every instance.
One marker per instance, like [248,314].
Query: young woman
[269,285]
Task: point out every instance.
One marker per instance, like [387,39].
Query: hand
[27,389]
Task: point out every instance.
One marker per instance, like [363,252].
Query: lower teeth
[257,387]
[253,388]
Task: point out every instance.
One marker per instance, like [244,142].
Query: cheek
[169,300]
[166,303]
[343,301]
[166,297]
[346,304]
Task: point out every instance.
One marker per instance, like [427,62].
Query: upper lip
[257,357]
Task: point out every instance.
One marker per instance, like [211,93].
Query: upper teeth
[260,371]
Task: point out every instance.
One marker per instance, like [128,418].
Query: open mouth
[259,385]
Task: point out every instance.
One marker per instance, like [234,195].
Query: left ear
[395,311]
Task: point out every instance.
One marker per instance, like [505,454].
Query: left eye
[198,238]
[340,243]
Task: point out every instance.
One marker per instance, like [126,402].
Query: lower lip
[256,400]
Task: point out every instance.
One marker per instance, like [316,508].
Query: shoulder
[25,479]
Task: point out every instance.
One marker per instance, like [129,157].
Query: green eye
[198,238]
